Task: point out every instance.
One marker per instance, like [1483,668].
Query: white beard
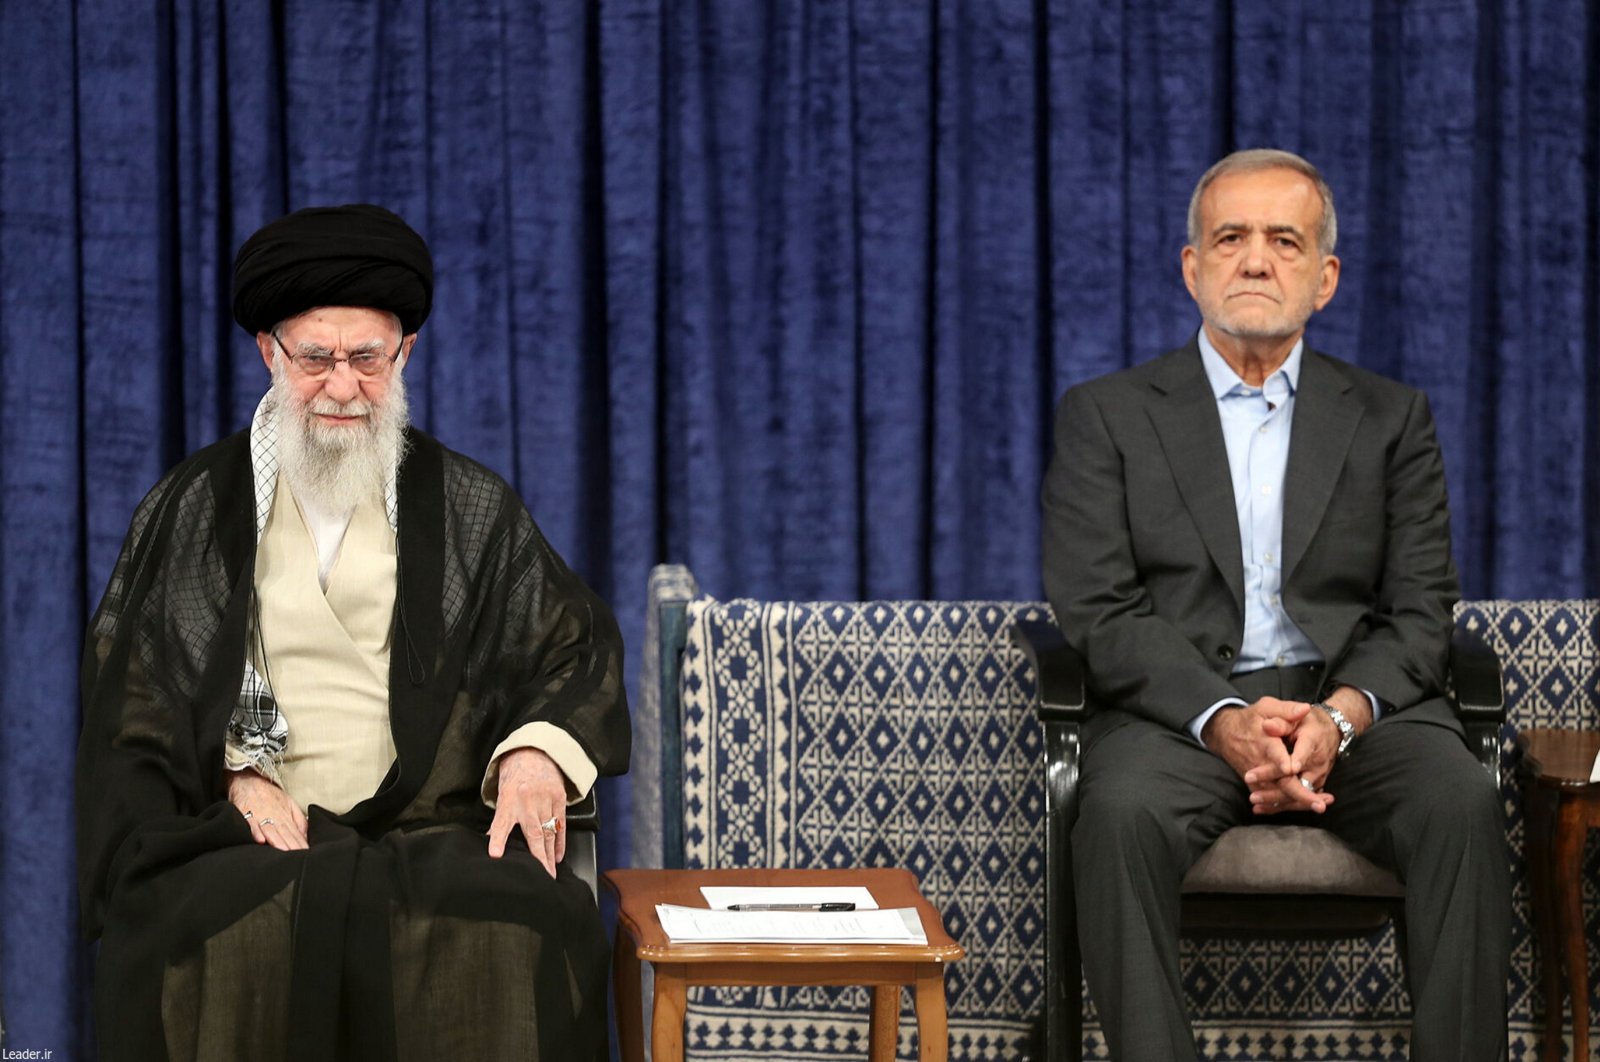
[332,469]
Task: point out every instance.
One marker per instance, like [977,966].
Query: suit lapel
[1325,419]
[1185,418]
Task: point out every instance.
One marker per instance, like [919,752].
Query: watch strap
[1347,730]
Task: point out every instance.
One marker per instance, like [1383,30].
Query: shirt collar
[264,469]
[1224,381]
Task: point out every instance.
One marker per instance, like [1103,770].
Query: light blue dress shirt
[1255,428]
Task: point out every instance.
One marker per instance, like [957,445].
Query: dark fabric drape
[784,290]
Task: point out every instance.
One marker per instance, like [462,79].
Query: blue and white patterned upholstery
[903,734]
[1548,657]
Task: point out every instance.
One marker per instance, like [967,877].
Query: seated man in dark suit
[1249,543]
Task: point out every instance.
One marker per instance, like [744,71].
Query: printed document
[721,897]
[898,925]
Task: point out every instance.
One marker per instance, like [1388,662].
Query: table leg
[1571,829]
[932,1028]
[884,1032]
[1539,809]
[666,1027]
[626,993]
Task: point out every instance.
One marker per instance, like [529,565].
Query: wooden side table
[1560,806]
[885,967]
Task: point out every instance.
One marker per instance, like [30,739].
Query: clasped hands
[532,795]
[1273,744]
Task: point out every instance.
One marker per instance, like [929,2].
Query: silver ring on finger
[268,822]
[551,825]
[248,814]
[1307,783]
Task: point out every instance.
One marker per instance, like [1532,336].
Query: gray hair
[1268,159]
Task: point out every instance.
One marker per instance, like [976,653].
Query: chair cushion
[1287,859]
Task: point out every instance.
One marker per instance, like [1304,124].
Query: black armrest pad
[1475,674]
[585,814]
[1057,666]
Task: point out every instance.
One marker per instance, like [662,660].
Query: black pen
[791,907]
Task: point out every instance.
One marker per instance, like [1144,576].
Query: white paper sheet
[897,925]
[721,897]
[1594,772]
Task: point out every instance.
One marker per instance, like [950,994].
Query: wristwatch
[1347,733]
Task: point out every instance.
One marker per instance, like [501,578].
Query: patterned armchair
[903,733]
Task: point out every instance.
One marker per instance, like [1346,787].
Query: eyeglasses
[316,366]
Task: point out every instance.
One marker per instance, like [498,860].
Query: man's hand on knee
[532,795]
[274,818]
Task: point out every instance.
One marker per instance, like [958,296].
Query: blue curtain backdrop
[784,290]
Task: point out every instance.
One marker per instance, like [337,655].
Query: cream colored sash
[327,655]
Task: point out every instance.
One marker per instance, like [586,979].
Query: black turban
[356,255]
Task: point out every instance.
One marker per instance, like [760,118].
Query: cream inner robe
[327,653]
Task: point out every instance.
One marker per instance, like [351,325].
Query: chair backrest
[657,760]
[1548,658]
[1551,669]
[901,733]
[868,734]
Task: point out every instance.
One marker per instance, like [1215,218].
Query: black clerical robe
[395,935]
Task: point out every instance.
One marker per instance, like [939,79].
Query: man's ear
[264,344]
[406,343]
[1329,281]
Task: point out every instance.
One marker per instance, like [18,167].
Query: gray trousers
[1410,797]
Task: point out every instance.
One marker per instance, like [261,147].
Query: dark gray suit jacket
[1141,539]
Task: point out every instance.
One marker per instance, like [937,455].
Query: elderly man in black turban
[338,698]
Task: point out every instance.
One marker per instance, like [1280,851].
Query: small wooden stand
[885,967]
[1561,806]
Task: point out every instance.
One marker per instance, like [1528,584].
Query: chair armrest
[583,824]
[1057,667]
[1480,697]
[1058,671]
[1475,674]
[585,814]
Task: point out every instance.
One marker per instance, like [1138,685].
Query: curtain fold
[784,290]
[43,451]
